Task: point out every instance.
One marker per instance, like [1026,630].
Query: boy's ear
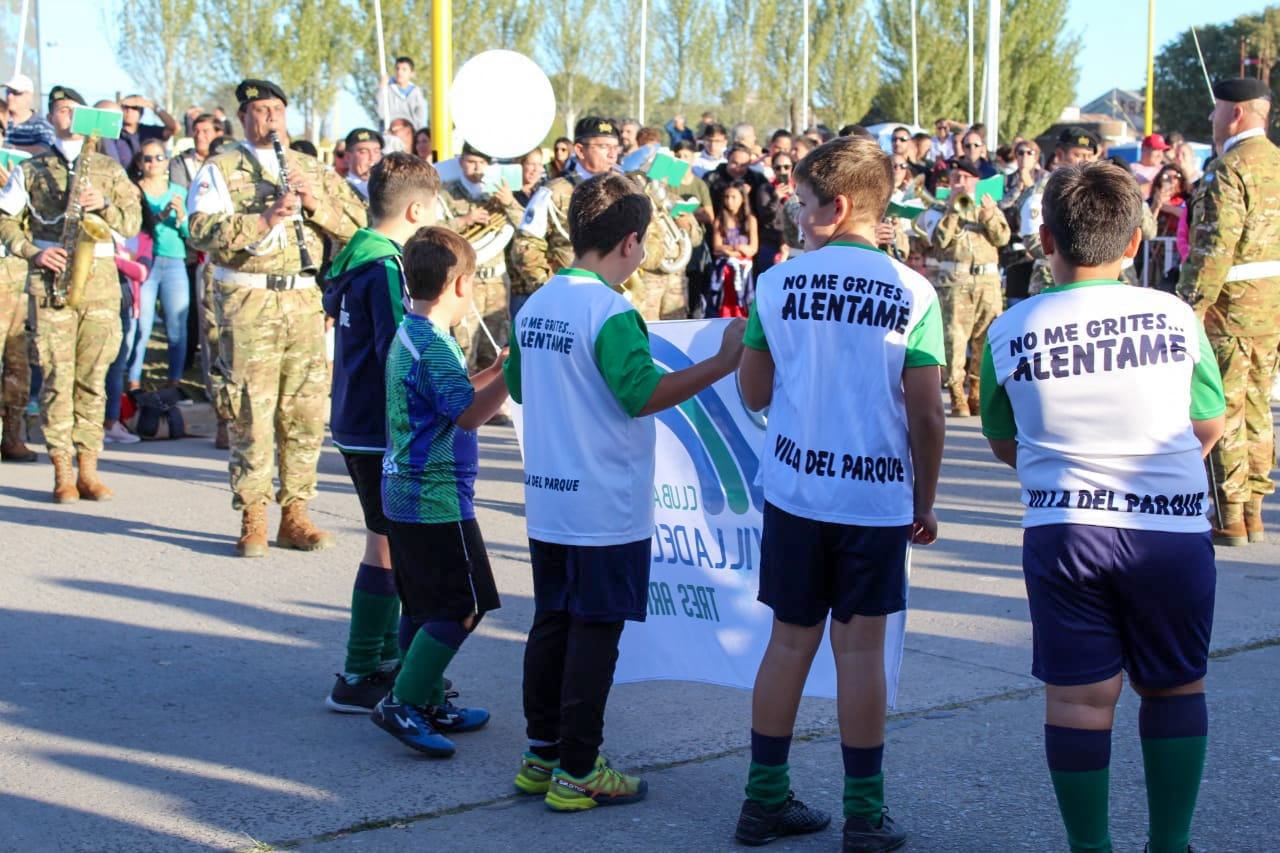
[1134,242]
[1046,240]
[843,209]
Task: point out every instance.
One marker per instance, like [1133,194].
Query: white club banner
[704,622]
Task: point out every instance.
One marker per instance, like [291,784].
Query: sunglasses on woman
[154,158]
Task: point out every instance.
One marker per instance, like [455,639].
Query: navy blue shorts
[1105,599]
[442,570]
[606,583]
[366,475]
[810,568]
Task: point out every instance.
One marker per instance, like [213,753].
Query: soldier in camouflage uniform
[270,323]
[15,387]
[1076,146]
[665,295]
[1232,280]
[965,239]
[541,246]
[469,205]
[75,345]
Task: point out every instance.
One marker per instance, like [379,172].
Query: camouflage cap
[1241,89]
[258,90]
[64,93]
[364,134]
[471,150]
[1078,137]
[590,127]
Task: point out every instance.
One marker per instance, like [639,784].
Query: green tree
[844,82]
[1182,98]
[172,67]
[572,46]
[1037,70]
[681,31]
[745,30]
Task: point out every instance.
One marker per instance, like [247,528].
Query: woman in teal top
[164,218]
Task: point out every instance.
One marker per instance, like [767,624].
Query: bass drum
[502,103]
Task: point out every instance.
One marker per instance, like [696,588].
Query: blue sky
[1114,38]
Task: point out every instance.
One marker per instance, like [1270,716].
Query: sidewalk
[160,694]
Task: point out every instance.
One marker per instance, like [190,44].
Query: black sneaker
[862,836]
[758,825]
[360,697]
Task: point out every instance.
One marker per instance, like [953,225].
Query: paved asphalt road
[159,694]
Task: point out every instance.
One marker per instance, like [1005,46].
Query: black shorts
[366,475]
[1105,599]
[442,570]
[809,568]
[605,583]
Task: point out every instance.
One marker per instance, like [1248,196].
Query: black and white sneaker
[759,825]
[359,697]
[862,836]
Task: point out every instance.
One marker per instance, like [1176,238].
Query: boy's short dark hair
[404,59]
[395,180]
[433,257]
[605,209]
[1092,211]
[855,167]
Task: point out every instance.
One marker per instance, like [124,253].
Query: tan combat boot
[253,532]
[88,484]
[1232,533]
[959,404]
[297,531]
[1253,519]
[222,440]
[64,479]
[11,447]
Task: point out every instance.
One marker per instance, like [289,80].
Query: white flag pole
[915,71]
[382,62]
[994,8]
[644,56]
[804,84]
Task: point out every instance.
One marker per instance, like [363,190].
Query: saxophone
[81,230]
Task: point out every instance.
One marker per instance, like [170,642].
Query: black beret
[964,164]
[591,126]
[1077,137]
[364,134]
[259,90]
[1241,89]
[469,149]
[64,93]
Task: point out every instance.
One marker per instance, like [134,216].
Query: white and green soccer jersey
[841,324]
[581,368]
[1099,383]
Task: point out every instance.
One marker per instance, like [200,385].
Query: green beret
[1241,89]
[364,134]
[258,90]
[64,93]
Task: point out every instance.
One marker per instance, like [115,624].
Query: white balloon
[502,103]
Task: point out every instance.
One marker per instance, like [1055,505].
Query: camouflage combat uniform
[666,295]
[490,293]
[1232,280]
[541,245]
[271,350]
[15,387]
[75,346]
[967,279]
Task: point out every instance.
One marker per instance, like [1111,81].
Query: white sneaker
[117,433]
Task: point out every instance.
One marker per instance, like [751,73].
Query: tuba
[490,238]
[81,230]
[677,245]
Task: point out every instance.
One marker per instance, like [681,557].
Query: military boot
[1253,519]
[64,479]
[297,531]
[88,484]
[1232,532]
[222,439]
[253,532]
[11,447]
[959,403]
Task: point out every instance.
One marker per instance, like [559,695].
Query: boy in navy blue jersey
[428,488]
[366,296]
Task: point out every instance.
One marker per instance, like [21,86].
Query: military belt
[100,250]
[263,281]
[971,269]
[1257,269]
[491,271]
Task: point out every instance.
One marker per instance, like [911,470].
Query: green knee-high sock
[1079,764]
[769,778]
[391,635]
[1174,741]
[373,603]
[864,782]
[421,678]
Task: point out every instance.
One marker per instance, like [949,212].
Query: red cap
[1155,142]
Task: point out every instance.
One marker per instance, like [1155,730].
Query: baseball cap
[1155,142]
[20,83]
[364,134]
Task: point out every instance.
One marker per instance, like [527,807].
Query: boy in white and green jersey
[580,366]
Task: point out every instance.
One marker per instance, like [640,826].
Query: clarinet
[308,265]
